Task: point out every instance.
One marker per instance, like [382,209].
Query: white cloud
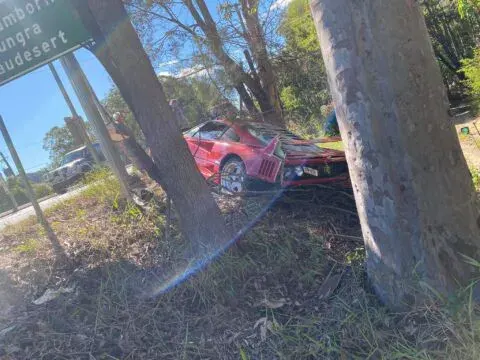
[197,71]
[165,73]
[168,63]
[280,4]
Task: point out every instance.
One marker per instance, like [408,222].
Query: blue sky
[33,104]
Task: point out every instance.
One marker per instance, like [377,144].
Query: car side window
[212,130]
[192,132]
[231,135]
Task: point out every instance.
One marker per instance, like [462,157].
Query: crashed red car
[237,154]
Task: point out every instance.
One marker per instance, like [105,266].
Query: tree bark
[258,46]
[415,198]
[120,51]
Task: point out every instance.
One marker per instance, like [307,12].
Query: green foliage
[58,141]
[195,95]
[42,190]
[454,37]
[475,177]
[298,28]
[468,7]
[302,77]
[471,68]
[102,186]
[17,188]
[29,247]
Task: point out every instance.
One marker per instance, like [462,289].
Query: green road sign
[35,32]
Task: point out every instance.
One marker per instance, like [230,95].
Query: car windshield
[72,157]
[266,133]
[260,134]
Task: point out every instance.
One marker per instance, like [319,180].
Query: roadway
[27,211]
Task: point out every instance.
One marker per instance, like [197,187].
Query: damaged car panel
[251,151]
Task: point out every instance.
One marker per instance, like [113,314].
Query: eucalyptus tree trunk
[418,209]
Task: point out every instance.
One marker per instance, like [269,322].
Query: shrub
[42,190]
[471,68]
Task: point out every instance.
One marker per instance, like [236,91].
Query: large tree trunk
[120,51]
[417,205]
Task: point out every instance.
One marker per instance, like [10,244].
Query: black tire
[233,177]
[59,190]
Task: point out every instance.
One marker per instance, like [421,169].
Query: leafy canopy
[58,141]
[302,77]
[466,7]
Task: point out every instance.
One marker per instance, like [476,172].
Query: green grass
[103,186]
[29,247]
[337,145]
[475,177]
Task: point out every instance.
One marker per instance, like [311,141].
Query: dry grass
[262,299]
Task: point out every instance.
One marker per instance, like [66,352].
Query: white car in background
[73,167]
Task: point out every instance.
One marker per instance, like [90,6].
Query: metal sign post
[87,99]
[4,185]
[7,164]
[31,194]
[80,131]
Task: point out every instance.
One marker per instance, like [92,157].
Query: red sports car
[235,154]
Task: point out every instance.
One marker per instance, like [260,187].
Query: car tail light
[267,168]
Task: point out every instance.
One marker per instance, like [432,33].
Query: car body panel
[266,152]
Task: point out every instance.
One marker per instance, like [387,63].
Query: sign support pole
[84,134]
[21,171]
[4,185]
[87,100]
[7,164]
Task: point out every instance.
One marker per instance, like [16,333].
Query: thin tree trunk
[258,47]
[124,58]
[234,71]
[417,205]
[246,99]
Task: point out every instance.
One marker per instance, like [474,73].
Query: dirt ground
[470,143]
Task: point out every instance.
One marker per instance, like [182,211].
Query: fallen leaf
[51,294]
[262,320]
[329,285]
[6,331]
[275,304]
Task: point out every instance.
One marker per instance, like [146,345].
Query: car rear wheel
[233,176]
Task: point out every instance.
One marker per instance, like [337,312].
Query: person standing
[331,125]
